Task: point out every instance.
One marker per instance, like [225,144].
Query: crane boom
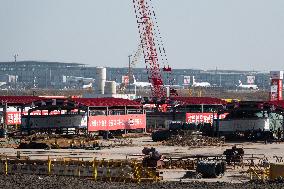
[151,44]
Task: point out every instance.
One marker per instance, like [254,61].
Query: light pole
[129,71]
[15,57]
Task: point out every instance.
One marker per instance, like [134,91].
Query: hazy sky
[228,34]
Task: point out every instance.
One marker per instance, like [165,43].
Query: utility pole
[4,128]
[129,71]
[15,79]
[33,77]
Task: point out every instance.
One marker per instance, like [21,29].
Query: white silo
[110,87]
[100,80]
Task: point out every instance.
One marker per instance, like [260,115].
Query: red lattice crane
[152,45]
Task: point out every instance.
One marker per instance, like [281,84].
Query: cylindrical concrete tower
[100,80]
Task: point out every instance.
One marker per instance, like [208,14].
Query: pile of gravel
[54,182]
[193,140]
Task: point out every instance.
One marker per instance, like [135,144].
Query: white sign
[186,80]
[125,79]
[250,79]
[274,89]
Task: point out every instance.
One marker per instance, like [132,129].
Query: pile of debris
[121,142]
[194,140]
[9,143]
[33,145]
[70,142]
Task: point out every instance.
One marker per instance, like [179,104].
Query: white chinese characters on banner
[14,118]
[202,117]
[116,122]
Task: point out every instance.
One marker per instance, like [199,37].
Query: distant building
[30,74]
[39,74]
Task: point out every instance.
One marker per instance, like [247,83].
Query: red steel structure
[199,101]
[152,45]
[18,100]
[106,102]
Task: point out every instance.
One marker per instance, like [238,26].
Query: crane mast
[152,45]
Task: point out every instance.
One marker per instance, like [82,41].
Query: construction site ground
[133,151]
[38,182]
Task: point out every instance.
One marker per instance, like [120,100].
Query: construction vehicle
[152,158]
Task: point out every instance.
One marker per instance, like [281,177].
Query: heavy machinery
[152,158]
[234,155]
[210,169]
[153,49]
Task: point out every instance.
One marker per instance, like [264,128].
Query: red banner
[202,117]
[117,122]
[280,88]
[13,118]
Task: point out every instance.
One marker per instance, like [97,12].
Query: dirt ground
[259,150]
[42,182]
[134,150]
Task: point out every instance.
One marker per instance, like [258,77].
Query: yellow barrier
[95,169]
[6,167]
[49,165]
